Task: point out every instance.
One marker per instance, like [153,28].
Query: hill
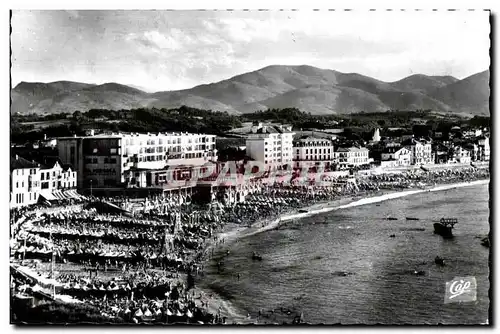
[315,90]
[423,83]
[470,95]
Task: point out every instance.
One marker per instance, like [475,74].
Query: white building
[461,155]
[308,151]
[110,161]
[270,144]
[352,157]
[483,148]
[472,133]
[421,151]
[399,156]
[24,182]
[29,180]
[376,135]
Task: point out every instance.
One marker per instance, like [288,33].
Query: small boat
[391,218]
[392,236]
[444,227]
[342,273]
[411,218]
[439,261]
[303,211]
[256,257]
[419,273]
[485,242]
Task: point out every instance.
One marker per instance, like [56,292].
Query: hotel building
[126,159]
[351,157]
[270,144]
[309,151]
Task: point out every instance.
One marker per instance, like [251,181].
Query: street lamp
[90,188]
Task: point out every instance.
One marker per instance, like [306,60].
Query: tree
[77,115]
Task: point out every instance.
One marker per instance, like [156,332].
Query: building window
[112,160]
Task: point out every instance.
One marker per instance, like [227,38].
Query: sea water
[304,261]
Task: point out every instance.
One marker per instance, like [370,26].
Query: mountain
[423,83]
[470,95]
[311,89]
[66,96]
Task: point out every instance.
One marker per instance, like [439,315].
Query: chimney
[44,136]
[92,132]
[17,157]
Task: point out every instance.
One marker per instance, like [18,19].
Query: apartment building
[24,182]
[421,151]
[461,155]
[483,145]
[29,180]
[309,151]
[396,156]
[270,144]
[113,160]
[348,157]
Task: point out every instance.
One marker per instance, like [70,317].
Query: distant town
[107,214]
[108,162]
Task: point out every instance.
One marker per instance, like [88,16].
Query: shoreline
[231,235]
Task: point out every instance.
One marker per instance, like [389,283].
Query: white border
[194,4]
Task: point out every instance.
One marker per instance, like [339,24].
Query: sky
[171,50]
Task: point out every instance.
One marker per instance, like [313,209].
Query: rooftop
[352,149]
[17,162]
[306,138]
[392,149]
[136,134]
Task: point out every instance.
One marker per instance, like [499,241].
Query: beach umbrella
[147,313]
[138,313]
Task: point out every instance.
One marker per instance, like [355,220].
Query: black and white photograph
[250,167]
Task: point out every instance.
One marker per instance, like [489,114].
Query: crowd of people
[422,178]
[140,263]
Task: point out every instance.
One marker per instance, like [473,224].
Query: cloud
[155,40]
[165,50]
